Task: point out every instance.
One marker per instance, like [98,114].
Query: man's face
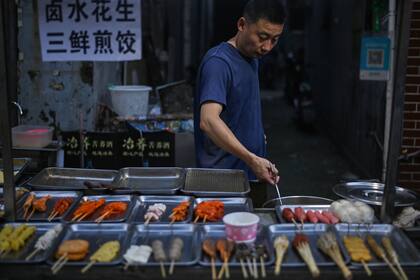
[259,38]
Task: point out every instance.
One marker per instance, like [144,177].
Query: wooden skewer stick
[402,272]
[83,217]
[172,221]
[147,221]
[366,267]
[162,270]
[251,270]
[254,261]
[296,224]
[101,218]
[25,213]
[30,215]
[60,266]
[392,268]
[263,272]
[221,271]
[196,219]
[76,217]
[213,269]
[53,216]
[88,266]
[171,267]
[243,268]
[34,252]
[204,220]
[58,261]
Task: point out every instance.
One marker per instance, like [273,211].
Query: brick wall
[409,172]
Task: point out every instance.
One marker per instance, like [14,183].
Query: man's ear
[241,24]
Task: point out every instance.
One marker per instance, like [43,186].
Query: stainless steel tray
[313,232]
[232,204]
[215,182]
[109,198]
[19,257]
[55,195]
[279,210]
[187,232]
[156,180]
[19,165]
[215,232]
[96,235]
[405,249]
[53,178]
[170,201]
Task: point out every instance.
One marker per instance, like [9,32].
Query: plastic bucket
[130,100]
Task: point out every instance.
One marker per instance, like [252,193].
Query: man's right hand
[264,170]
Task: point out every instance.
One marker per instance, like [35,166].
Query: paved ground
[308,162]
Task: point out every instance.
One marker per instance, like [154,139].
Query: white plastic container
[31,136]
[130,100]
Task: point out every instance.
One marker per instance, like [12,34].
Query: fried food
[74,250]
[180,212]
[107,252]
[211,210]
[40,205]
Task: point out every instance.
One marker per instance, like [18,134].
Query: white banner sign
[87,30]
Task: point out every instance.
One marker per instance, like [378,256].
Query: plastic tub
[241,227]
[31,136]
[130,100]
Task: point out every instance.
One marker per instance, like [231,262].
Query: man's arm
[217,130]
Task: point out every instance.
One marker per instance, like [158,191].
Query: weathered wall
[51,93]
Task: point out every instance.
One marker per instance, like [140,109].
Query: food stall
[171,222]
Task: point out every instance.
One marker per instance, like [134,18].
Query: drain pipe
[389,85]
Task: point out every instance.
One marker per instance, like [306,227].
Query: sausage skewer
[210,250]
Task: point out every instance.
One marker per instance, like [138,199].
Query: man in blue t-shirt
[227,108]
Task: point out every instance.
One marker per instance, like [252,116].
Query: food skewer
[28,203]
[39,205]
[175,252]
[106,253]
[254,262]
[225,249]
[210,210]
[240,257]
[209,249]
[70,250]
[358,251]
[159,255]
[281,243]
[301,243]
[289,216]
[86,209]
[16,239]
[112,208]
[381,254]
[393,256]
[45,241]
[137,255]
[180,212]
[154,212]
[260,249]
[60,207]
[328,244]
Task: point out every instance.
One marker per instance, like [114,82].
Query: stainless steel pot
[297,200]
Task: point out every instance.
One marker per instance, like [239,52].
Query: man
[227,107]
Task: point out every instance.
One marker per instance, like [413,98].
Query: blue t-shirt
[227,77]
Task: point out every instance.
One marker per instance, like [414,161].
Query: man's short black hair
[271,10]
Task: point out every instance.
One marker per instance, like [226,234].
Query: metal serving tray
[188,233]
[109,198]
[19,257]
[19,165]
[53,178]
[313,232]
[215,232]
[405,249]
[279,210]
[232,204]
[96,235]
[170,201]
[215,182]
[55,195]
[156,180]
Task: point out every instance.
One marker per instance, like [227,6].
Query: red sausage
[333,219]
[321,218]
[311,216]
[300,214]
[288,214]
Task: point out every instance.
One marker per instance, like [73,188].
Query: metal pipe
[389,86]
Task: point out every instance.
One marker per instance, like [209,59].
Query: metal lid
[372,193]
